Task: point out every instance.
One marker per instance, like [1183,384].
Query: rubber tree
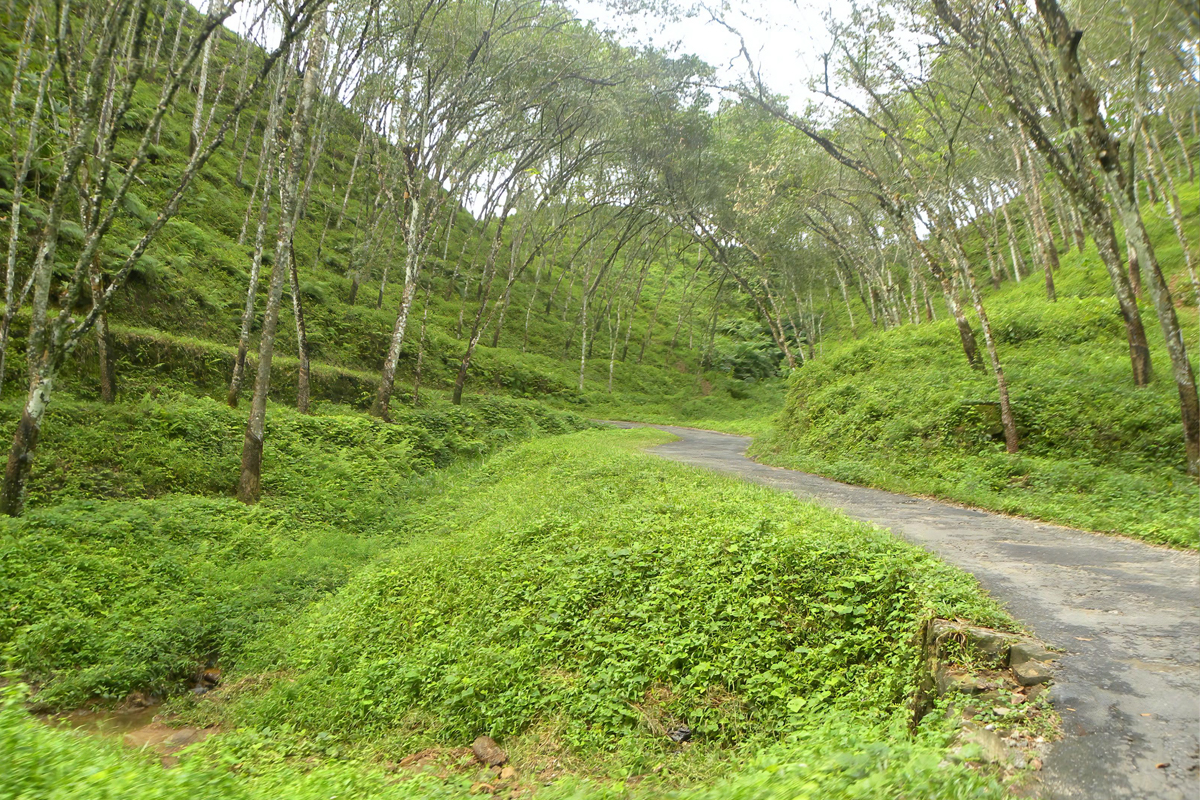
[290,171]
[115,37]
[1093,148]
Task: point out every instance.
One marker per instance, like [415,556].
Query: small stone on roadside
[1023,652]
[681,734]
[507,774]
[1031,673]
[991,746]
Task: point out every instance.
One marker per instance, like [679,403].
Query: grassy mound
[577,598]
[104,597]
[902,410]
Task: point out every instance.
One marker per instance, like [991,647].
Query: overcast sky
[784,37]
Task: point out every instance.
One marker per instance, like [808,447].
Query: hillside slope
[902,410]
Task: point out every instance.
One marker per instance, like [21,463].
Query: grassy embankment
[895,409]
[572,597]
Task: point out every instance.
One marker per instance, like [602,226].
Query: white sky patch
[785,38]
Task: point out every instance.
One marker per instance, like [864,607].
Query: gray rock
[1031,673]
[1025,651]
[978,744]
[992,645]
[949,680]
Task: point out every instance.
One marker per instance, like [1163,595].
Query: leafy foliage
[104,597]
[1096,452]
[576,583]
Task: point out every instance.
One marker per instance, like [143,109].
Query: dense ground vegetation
[572,597]
[901,410]
[428,242]
[134,565]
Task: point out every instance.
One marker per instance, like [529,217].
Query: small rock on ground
[487,751]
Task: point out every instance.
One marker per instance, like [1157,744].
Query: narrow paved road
[1127,614]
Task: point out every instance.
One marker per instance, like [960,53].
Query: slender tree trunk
[302,385]
[537,280]
[612,349]
[198,111]
[421,346]
[1076,225]
[1183,146]
[239,362]
[1160,295]
[361,262]
[1037,213]
[637,293]
[1135,270]
[108,378]
[654,317]
[1007,420]
[478,327]
[387,265]
[683,301]
[412,266]
[583,323]
[1013,250]
[1105,237]
[267,163]
[362,138]
[250,482]
[1171,195]
[25,440]
[240,176]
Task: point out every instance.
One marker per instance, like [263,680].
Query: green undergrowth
[835,761]
[580,599]
[134,566]
[575,598]
[902,410]
[333,461]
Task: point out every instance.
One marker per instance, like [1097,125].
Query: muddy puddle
[134,727]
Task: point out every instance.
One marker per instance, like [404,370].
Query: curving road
[1126,613]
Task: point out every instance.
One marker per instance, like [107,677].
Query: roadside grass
[901,410]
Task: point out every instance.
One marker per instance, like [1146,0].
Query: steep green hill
[176,323]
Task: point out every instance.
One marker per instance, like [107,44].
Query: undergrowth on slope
[580,596]
[135,567]
[901,410]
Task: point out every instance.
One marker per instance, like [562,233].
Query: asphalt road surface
[1126,613]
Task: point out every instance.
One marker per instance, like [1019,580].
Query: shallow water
[114,723]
